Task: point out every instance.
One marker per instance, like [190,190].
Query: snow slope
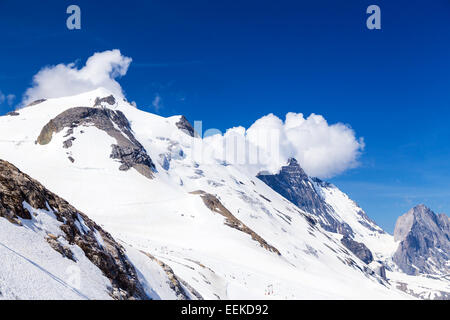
[377,240]
[166,218]
[37,271]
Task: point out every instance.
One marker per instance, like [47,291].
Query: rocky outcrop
[359,249]
[18,189]
[296,186]
[381,271]
[176,284]
[127,149]
[106,100]
[215,205]
[424,242]
[184,125]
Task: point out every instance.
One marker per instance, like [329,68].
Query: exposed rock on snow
[68,143]
[127,150]
[109,100]
[184,125]
[215,205]
[295,185]
[21,196]
[424,242]
[359,249]
[175,283]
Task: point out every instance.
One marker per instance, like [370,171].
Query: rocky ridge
[424,242]
[296,186]
[19,192]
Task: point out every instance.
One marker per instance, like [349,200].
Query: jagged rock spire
[424,241]
[295,185]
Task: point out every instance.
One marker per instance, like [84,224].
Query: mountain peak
[421,207]
[109,100]
[420,212]
[293,167]
[184,125]
[420,232]
[293,162]
[296,186]
[406,221]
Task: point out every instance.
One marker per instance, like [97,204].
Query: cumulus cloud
[323,150]
[101,70]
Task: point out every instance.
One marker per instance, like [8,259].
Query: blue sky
[228,63]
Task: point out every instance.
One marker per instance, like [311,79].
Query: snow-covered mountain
[193,229]
[421,237]
[50,250]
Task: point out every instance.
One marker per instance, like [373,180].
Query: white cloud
[9,98]
[323,150]
[101,70]
[157,102]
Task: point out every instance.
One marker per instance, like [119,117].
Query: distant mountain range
[143,219]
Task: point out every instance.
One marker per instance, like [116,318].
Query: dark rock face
[68,143]
[17,188]
[295,185]
[127,150]
[381,271]
[131,157]
[359,249]
[109,100]
[424,242]
[185,126]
